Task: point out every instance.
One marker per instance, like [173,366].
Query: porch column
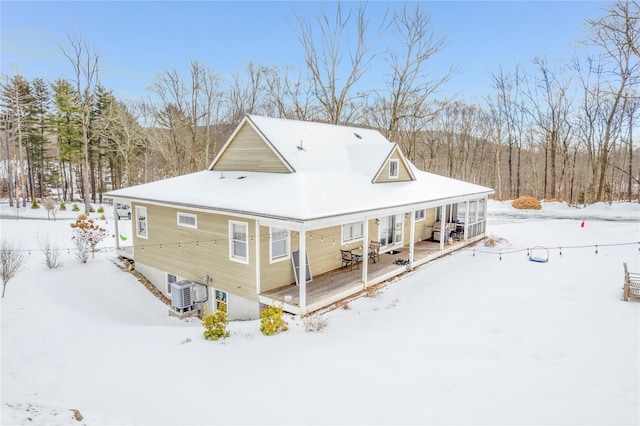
[467,220]
[302,273]
[443,214]
[365,253]
[412,236]
[117,227]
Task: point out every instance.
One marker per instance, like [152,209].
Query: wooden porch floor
[339,283]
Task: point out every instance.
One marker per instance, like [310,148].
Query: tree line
[559,131]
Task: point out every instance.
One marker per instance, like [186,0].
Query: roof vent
[357,135]
[300,148]
[241,177]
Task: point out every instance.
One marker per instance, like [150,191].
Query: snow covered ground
[477,337]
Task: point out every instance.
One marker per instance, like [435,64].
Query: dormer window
[394,169]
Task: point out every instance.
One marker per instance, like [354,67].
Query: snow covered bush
[87,233]
[215,325]
[526,203]
[51,253]
[11,259]
[271,321]
[52,207]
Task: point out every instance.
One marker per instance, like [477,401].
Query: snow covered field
[466,339]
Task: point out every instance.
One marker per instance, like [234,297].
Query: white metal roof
[334,171]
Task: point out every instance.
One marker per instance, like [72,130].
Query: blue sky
[138,40]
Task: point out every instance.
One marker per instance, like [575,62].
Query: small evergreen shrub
[271,321]
[34,203]
[91,209]
[526,203]
[215,325]
[100,209]
[63,206]
[75,207]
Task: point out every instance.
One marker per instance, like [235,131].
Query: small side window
[221,300]
[187,220]
[141,222]
[394,169]
[238,241]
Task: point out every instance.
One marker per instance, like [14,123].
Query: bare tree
[245,94]
[616,35]
[410,83]
[85,67]
[187,108]
[333,81]
[551,103]
[509,108]
[11,259]
[288,97]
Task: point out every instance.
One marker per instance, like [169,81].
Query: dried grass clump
[493,241]
[526,203]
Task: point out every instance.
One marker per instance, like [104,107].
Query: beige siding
[249,152]
[323,250]
[272,275]
[424,228]
[404,174]
[173,249]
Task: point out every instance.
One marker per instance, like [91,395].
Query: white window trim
[360,238]
[215,299]
[234,258]
[143,210]
[397,163]
[423,215]
[287,254]
[195,217]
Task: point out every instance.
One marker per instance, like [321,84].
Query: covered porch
[332,286]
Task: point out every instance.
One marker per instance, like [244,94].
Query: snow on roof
[334,171]
[309,146]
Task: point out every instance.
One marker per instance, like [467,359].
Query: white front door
[390,231]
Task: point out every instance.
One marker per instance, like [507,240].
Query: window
[394,169]
[238,247]
[221,300]
[352,232]
[141,222]
[188,220]
[170,279]
[419,215]
[279,244]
